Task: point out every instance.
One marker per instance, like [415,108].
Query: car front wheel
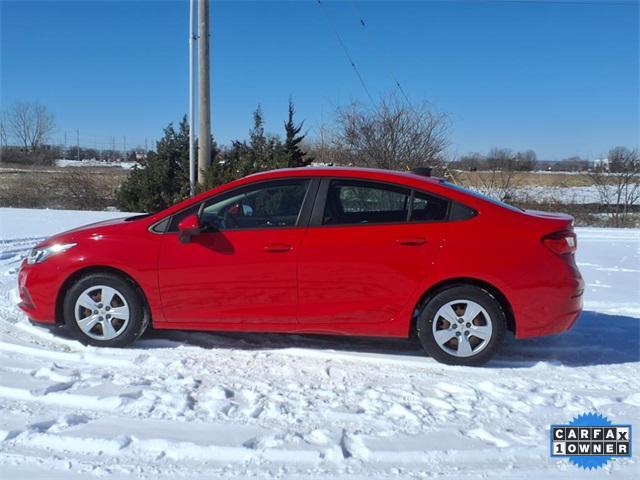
[462,325]
[105,310]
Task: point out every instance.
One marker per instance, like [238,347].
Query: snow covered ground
[196,405]
[94,163]
[555,194]
[584,194]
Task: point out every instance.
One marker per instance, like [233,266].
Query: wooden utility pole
[204,104]
[192,106]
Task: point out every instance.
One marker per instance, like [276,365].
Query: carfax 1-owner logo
[590,440]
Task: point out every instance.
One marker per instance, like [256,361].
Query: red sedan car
[344,251]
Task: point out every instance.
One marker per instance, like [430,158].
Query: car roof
[406,178]
[356,172]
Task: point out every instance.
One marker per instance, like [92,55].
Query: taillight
[561,243]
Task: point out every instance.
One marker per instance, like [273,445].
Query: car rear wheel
[105,310]
[462,325]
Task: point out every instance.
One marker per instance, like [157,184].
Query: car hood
[91,229]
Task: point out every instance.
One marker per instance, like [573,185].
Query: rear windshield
[482,196]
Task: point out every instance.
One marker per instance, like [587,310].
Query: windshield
[482,196]
[137,217]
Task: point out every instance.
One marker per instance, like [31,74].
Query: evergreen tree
[231,163]
[258,144]
[294,156]
[163,177]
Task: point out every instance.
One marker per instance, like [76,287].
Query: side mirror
[188,227]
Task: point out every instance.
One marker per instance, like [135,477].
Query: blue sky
[559,77]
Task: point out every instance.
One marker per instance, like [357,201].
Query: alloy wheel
[102,312]
[462,328]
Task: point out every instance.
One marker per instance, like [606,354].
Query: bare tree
[499,178]
[619,188]
[526,161]
[3,131]
[499,159]
[496,183]
[471,162]
[393,134]
[31,124]
[572,164]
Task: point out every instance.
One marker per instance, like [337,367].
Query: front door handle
[278,248]
[411,241]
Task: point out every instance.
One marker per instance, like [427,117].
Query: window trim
[317,214]
[301,222]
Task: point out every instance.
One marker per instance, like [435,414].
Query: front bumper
[38,286]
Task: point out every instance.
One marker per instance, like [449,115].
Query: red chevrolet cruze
[344,251]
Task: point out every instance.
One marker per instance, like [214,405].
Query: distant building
[601,163]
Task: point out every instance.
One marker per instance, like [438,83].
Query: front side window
[178,217]
[263,206]
[355,202]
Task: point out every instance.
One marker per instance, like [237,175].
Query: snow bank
[27,223]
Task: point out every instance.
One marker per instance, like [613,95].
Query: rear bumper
[557,322]
[551,309]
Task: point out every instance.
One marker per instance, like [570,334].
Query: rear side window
[461,212]
[353,202]
[427,208]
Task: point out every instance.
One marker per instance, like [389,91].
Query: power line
[378,48]
[569,2]
[602,3]
[346,51]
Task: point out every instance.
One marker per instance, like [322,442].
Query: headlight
[38,255]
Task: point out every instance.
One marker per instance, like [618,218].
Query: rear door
[366,251]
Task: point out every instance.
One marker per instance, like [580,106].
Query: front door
[243,267]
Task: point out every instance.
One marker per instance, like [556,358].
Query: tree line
[162,178]
[393,134]
[527,161]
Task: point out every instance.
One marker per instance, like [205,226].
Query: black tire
[481,297]
[138,318]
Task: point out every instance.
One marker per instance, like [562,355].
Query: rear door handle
[278,248]
[411,241]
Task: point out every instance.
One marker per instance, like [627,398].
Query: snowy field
[585,194]
[560,195]
[94,163]
[196,405]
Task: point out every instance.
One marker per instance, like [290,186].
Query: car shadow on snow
[595,339]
